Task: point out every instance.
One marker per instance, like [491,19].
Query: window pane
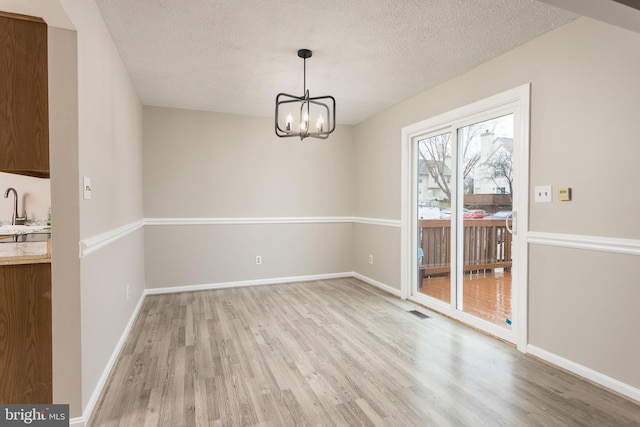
[487,170]
[434,216]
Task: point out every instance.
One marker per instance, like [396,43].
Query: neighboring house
[428,189]
[492,173]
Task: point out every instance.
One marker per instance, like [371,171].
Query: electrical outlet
[258,259]
[128,291]
[370,259]
[542,194]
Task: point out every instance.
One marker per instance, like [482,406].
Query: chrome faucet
[14,218]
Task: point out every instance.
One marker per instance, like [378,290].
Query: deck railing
[486,245]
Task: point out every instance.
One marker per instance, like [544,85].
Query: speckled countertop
[25,253]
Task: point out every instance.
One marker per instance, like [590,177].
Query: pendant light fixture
[304,116]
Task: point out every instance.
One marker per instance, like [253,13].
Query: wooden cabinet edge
[32,173]
[22,17]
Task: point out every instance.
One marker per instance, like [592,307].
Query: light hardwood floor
[332,353]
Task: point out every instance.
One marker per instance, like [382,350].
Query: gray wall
[585,100]
[65,266]
[233,174]
[109,150]
[199,164]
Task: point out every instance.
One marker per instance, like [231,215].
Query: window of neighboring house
[502,190]
[499,172]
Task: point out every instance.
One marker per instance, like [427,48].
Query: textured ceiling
[234,56]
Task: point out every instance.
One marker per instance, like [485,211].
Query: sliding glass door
[465,176]
[486,194]
[434,216]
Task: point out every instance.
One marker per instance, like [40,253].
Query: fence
[486,245]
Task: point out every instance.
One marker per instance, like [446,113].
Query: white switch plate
[86,187]
[543,194]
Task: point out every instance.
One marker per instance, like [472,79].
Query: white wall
[585,100]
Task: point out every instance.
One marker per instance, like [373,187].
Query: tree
[436,152]
[501,163]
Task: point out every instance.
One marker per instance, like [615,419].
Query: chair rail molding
[99,241]
[248,220]
[593,243]
[92,244]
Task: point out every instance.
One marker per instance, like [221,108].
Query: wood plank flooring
[332,353]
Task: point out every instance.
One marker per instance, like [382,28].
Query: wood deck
[486,295]
[486,244]
[327,353]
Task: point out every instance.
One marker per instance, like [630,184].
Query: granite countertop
[25,253]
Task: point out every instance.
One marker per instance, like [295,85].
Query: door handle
[514,228]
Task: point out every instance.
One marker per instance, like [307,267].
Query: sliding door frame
[514,101]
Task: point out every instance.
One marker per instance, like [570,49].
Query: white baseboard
[242,283]
[77,422]
[93,400]
[258,282]
[588,373]
[384,287]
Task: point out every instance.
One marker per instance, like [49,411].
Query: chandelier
[304,116]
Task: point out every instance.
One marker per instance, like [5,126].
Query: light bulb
[319,123]
[289,120]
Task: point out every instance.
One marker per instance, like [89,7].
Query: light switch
[86,187]
[543,194]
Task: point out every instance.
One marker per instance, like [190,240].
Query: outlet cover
[86,187]
[543,194]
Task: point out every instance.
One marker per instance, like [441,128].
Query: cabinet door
[24,122]
[25,334]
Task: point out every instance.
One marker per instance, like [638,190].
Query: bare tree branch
[435,151]
[502,162]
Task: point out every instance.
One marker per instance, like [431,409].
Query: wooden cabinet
[25,333]
[24,109]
